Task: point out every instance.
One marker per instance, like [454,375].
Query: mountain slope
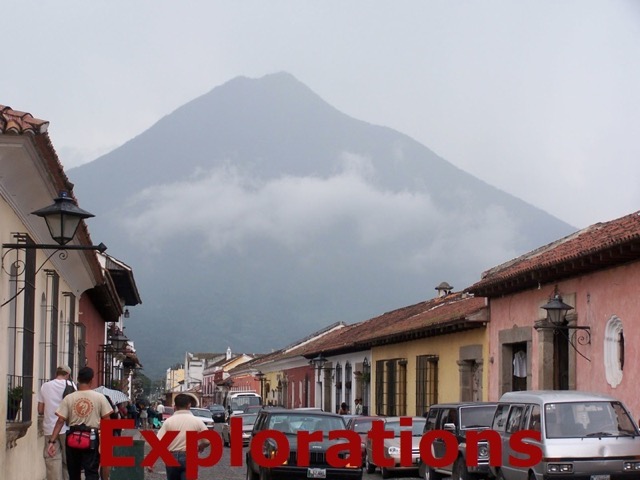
[257,213]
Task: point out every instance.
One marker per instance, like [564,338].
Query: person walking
[160,417]
[182,421]
[49,398]
[358,406]
[82,411]
[144,416]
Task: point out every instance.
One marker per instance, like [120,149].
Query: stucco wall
[596,297]
[447,348]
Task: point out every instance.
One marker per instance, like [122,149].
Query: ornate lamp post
[557,322]
[319,362]
[261,377]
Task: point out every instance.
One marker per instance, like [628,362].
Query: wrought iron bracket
[16,266]
[575,334]
[36,246]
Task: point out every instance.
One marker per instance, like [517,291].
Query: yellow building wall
[447,348]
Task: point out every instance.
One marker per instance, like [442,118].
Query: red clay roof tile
[16,122]
[605,244]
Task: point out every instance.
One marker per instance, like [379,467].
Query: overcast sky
[539,98]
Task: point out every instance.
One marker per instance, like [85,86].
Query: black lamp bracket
[576,335]
[16,264]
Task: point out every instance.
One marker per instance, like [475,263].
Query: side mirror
[450,427]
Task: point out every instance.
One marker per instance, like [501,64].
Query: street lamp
[557,322]
[118,340]
[261,377]
[319,362]
[62,218]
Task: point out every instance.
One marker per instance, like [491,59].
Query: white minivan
[584,436]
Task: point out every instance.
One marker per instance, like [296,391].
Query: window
[21,333]
[391,387]
[338,385]
[426,382]
[500,418]
[70,312]
[515,418]
[534,418]
[614,351]
[347,383]
[432,416]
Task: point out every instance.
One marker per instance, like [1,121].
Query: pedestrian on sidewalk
[82,410]
[182,421]
[144,416]
[49,397]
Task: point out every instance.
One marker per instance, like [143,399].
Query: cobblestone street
[223,470]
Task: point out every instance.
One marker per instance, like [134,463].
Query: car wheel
[369,466]
[499,475]
[265,474]
[385,472]
[251,475]
[431,474]
[460,471]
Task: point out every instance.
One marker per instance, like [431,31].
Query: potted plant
[14,399]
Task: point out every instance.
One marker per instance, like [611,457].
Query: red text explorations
[345,454]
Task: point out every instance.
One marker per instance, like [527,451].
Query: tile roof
[440,315]
[13,121]
[453,312]
[599,246]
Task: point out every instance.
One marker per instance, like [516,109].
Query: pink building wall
[95,331]
[597,297]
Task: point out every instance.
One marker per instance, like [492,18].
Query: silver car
[392,445]
[583,435]
[248,419]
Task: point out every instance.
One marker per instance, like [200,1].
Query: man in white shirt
[49,398]
[182,421]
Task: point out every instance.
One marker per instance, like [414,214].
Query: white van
[237,402]
[583,436]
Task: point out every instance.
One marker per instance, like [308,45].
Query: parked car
[248,419]
[458,419]
[217,412]
[290,422]
[251,408]
[361,424]
[205,415]
[582,435]
[168,411]
[392,446]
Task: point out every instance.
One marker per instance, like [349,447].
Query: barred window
[391,387]
[426,382]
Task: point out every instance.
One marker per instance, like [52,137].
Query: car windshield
[201,413]
[362,426]
[477,417]
[243,401]
[291,423]
[416,428]
[587,419]
[248,419]
[216,408]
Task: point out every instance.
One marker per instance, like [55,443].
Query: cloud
[229,209]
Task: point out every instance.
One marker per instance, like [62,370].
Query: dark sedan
[217,413]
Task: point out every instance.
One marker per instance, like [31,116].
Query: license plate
[600,477]
[317,473]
